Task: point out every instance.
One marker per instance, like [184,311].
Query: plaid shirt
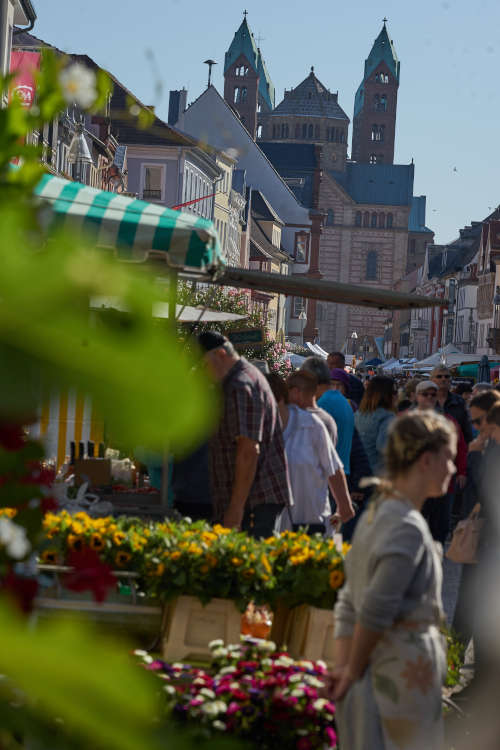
[249,410]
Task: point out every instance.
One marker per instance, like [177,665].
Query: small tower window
[371,265]
[274,131]
[330,218]
[373,158]
[358,219]
[381,220]
[244,94]
[389,221]
[237,95]
[297,130]
[366,219]
[304,130]
[259,131]
[310,131]
[383,103]
[374,220]
[342,136]
[316,132]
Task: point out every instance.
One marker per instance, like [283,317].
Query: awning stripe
[130,226]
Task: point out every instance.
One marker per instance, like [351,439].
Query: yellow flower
[265,563]
[194,550]
[336,579]
[97,542]
[122,558]
[218,529]
[345,548]
[175,554]
[119,538]
[49,556]
[9,512]
[236,561]
[249,573]
[74,541]
[160,569]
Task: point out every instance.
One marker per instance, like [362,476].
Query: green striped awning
[133,228]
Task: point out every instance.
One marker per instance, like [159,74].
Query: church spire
[383,50]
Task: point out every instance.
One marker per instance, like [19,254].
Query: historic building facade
[362,209]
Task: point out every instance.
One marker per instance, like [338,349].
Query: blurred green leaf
[104,90]
[141,379]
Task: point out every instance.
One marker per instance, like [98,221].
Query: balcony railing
[151,195]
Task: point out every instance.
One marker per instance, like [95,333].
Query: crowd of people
[396,464]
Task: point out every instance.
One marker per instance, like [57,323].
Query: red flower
[22,590]
[49,505]
[11,436]
[89,573]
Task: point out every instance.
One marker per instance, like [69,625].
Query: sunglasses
[442,377]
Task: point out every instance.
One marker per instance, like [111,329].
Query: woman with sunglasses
[451,403]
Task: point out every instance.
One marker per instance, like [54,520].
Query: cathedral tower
[375,104]
[247,85]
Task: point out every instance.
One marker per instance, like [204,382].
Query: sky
[449,96]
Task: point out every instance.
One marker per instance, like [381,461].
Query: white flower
[319,704]
[298,677]
[140,652]
[306,664]
[199,681]
[13,538]
[227,670]
[215,644]
[207,693]
[211,709]
[177,666]
[78,85]
[169,689]
[267,646]
[297,692]
[221,706]
[218,653]
[266,662]
[313,681]
[321,664]
[219,725]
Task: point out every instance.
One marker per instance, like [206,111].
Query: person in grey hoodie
[374,416]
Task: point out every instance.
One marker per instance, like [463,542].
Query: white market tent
[449,356]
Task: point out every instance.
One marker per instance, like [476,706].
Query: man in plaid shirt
[249,476]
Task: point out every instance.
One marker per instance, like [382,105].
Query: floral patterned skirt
[397,703]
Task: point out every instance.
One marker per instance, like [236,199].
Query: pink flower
[232,708]
[332,737]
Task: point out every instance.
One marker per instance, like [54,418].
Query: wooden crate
[305,631]
[189,626]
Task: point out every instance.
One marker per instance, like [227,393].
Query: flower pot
[189,626]
[307,632]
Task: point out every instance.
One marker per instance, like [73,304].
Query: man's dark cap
[211,340]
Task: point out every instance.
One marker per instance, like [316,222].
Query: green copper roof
[382,50]
[244,44]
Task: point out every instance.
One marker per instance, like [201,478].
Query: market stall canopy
[328,291]
[134,229]
[449,356]
[183,313]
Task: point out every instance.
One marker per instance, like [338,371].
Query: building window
[152,182]
[373,158]
[382,78]
[389,221]
[342,136]
[310,131]
[244,94]
[358,219]
[317,132]
[381,220]
[301,247]
[374,220]
[413,246]
[297,130]
[371,266]
[330,218]
[237,95]
[304,130]
[259,131]
[380,103]
[299,305]
[284,130]
[366,219]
